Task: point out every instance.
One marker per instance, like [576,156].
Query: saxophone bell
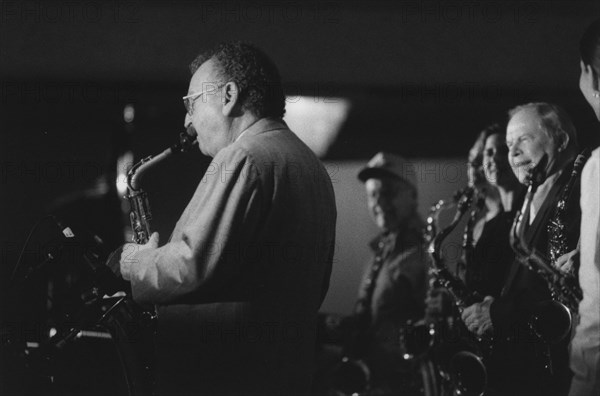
[351,377]
[468,374]
[552,320]
[464,372]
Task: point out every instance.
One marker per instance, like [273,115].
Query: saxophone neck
[462,205]
[517,232]
[137,171]
[184,144]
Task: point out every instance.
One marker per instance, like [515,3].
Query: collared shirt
[541,193]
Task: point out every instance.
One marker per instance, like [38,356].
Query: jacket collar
[263,125]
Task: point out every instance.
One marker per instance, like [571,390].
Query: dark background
[423,78]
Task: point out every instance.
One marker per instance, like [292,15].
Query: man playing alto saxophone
[239,284]
[536,132]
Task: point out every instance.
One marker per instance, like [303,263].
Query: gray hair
[554,120]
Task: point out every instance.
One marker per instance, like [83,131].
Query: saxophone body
[455,286]
[552,320]
[140,214]
[131,325]
[471,272]
[563,286]
[352,376]
[465,372]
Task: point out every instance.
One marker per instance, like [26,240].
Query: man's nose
[187,121]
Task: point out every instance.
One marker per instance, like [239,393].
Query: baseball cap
[387,164]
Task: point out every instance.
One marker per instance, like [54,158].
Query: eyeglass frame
[188,100]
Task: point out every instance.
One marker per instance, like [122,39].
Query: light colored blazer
[239,284]
[585,347]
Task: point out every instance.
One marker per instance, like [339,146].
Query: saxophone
[563,285]
[462,296]
[567,290]
[552,320]
[352,376]
[432,222]
[471,273]
[467,373]
[140,214]
[131,325]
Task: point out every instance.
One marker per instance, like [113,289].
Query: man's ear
[230,98]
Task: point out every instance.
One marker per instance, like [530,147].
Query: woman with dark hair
[492,254]
[585,347]
[477,179]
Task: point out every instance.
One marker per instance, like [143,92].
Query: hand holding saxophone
[131,249]
[477,316]
[568,261]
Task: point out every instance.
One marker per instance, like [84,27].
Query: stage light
[316,120]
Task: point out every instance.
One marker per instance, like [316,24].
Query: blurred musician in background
[394,284]
[240,281]
[585,348]
[393,287]
[537,133]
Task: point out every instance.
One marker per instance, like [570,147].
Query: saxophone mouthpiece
[185,142]
[537,174]
[580,161]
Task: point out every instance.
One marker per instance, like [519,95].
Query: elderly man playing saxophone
[239,283]
[538,135]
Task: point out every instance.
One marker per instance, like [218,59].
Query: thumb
[154,238]
[488,300]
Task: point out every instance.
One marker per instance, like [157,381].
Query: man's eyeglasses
[188,100]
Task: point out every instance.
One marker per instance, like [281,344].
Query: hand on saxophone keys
[131,249]
[477,316]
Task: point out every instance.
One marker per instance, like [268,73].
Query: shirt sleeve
[590,197]
[206,261]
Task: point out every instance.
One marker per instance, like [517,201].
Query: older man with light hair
[538,135]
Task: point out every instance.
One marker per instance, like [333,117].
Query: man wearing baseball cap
[394,284]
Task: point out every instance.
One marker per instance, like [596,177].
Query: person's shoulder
[591,173]
[233,156]
[594,159]
[277,142]
[593,163]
